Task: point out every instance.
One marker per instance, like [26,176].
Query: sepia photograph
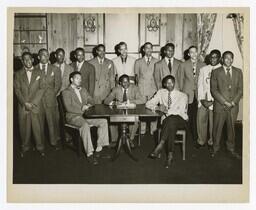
[132,97]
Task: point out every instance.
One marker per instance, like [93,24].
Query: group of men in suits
[213,92]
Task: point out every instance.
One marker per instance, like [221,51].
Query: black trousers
[170,126]
[192,119]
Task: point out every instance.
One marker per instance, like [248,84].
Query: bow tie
[28,70]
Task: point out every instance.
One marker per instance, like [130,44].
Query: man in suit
[29,89]
[105,76]
[65,69]
[167,66]
[125,92]
[205,100]
[227,90]
[86,69]
[187,76]
[123,63]
[51,76]
[144,69]
[173,104]
[77,100]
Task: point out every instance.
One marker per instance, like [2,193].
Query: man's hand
[28,106]
[162,108]
[206,103]
[85,107]
[228,105]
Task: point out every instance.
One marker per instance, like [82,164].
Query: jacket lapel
[75,96]
[24,77]
[33,77]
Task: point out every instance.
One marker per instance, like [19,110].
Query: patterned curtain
[238,22]
[205,26]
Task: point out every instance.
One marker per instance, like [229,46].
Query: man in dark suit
[86,69]
[29,89]
[76,100]
[227,90]
[105,75]
[125,93]
[51,76]
[187,76]
[167,66]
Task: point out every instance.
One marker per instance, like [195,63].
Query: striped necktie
[169,99]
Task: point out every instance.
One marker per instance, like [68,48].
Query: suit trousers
[219,118]
[29,121]
[169,129]
[85,132]
[51,115]
[204,125]
[192,116]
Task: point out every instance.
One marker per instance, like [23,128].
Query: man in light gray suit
[227,90]
[187,76]
[167,66]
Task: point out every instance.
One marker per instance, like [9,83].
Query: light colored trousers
[85,124]
[204,124]
[153,127]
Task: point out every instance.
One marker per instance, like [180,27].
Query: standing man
[77,100]
[205,100]
[86,69]
[227,90]
[29,89]
[52,78]
[124,64]
[65,69]
[187,76]
[144,70]
[123,93]
[173,104]
[167,66]
[105,76]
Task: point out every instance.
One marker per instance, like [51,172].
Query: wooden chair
[64,127]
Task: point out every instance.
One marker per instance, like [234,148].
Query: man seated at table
[124,93]
[173,104]
[76,100]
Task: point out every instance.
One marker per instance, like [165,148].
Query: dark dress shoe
[42,154]
[56,147]
[92,160]
[199,146]
[154,155]
[112,144]
[236,155]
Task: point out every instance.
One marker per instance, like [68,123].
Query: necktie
[194,68]
[170,66]
[125,95]
[229,78]
[29,70]
[44,68]
[148,62]
[169,99]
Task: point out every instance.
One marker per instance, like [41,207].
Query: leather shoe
[42,154]
[235,155]
[92,160]
[56,147]
[199,146]
[157,151]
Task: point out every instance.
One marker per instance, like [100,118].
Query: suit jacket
[146,82]
[186,82]
[72,104]
[29,92]
[52,81]
[126,68]
[133,95]
[88,76]
[105,79]
[220,90]
[162,70]
[65,75]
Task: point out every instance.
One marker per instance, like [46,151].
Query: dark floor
[64,167]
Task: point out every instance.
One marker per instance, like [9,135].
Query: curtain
[238,25]
[205,26]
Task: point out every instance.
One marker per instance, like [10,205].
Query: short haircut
[100,45]
[60,50]
[72,74]
[79,49]
[193,46]
[215,51]
[147,44]
[169,45]
[166,78]
[41,50]
[121,43]
[123,76]
[26,53]
[228,52]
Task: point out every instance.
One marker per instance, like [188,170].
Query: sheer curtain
[205,26]
[238,22]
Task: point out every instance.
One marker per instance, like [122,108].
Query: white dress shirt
[148,58]
[77,91]
[167,61]
[61,67]
[204,89]
[29,74]
[41,67]
[179,104]
[230,71]
[100,60]
[79,65]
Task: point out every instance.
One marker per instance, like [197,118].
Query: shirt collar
[29,69]
[167,60]
[225,69]
[75,88]
[80,64]
[41,65]
[100,59]
[146,58]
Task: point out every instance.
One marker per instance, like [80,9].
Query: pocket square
[109,66]
[38,77]
[52,74]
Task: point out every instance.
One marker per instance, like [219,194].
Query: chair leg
[79,145]
[184,146]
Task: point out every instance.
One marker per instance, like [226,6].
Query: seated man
[76,100]
[125,92]
[173,104]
